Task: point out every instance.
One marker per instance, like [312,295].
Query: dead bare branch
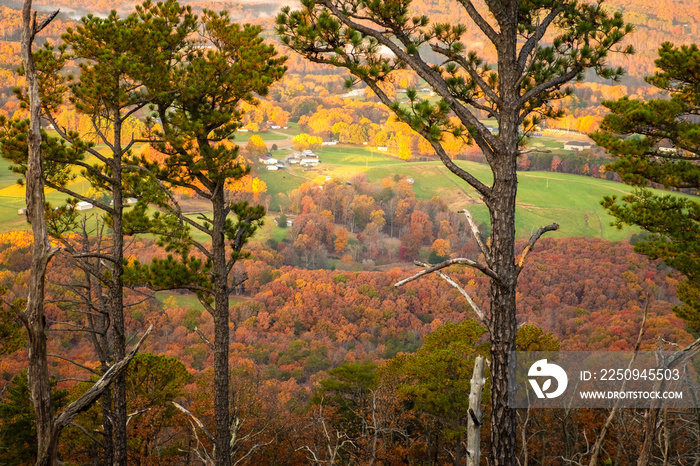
[447,263]
[94,392]
[477,234]
[601,436]
[462,291]
[204,338]
[533,240]
[89,369]
[194,419]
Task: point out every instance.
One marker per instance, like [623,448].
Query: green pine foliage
[658,143]
[18,441]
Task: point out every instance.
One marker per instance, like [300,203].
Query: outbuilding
[578,146]
[83,205]
[267,160]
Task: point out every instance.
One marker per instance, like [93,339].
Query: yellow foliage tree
[256,146]
[305,141]
[341,239]
[441,247]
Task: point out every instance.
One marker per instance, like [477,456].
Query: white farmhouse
[309,162]
[82,205]
[267,160]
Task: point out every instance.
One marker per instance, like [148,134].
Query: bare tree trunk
[652,415]
[476,387]
[601,436]
[523,439]
[666,439]
[48,427]
[649,429]
[502,325]
[33,316]
[97,312]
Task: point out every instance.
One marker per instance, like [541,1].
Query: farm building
[309,162]
[272,168]
[577,145]
[82,205]
[267,160]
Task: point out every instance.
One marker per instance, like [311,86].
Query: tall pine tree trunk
[221,330]
[501,206]
[117,296]
[503,321]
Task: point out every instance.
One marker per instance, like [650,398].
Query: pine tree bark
[117,295]
[221,330]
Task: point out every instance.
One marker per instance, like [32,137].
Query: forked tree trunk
[48,426]
[33,315]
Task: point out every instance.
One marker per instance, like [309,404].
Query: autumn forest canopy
[248,232]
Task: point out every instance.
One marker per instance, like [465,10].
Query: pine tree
[658,143]
[372,39]
[116,57]
[198,108]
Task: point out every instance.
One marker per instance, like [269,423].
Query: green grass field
[293,129]
[242,138]
[279,182]
[543,197]
[270,135]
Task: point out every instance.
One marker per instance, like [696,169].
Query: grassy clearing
[353,156]
[270,135]
[175,300]
[543,197]
[547,143]
[293,129]
[279,182]
[242,138]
